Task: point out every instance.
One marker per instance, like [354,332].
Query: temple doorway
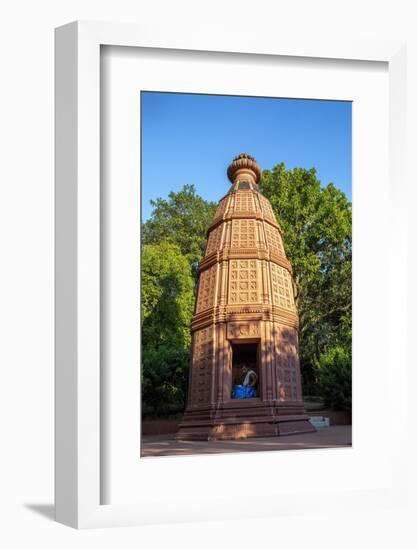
[245,358]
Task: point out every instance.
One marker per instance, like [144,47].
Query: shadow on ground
[45,510]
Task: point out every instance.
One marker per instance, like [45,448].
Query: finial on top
[244,168]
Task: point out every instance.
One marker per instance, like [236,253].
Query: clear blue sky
[189,138]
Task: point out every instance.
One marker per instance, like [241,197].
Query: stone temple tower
[245,319]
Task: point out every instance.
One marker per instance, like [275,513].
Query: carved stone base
[242,419]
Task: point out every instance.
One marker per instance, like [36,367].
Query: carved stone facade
[245,296]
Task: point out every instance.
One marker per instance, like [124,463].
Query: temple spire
[245,378]
[244,168]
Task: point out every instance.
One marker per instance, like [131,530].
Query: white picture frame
[78,264]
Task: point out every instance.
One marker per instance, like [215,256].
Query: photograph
[209,222]
[246,274]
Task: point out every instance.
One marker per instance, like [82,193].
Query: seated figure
[248,387]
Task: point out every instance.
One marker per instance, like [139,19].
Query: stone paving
[166,445]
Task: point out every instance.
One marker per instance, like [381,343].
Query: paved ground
[165,445]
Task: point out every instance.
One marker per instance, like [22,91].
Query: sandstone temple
[244,378]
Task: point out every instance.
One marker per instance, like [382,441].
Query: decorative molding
[243,330]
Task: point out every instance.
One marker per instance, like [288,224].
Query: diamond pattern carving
[273,239]
[266,208]
[206,290]
[214,239]
[282,292]
[288,365]
[221,209]
[244,201]
[243,234]
[202,365]
[243,286]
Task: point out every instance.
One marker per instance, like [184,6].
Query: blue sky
[189,138]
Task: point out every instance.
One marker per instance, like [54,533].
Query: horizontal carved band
[243,330]
[244,313]
[229,253]
[250,215]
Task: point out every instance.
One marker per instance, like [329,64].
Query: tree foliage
[167,308]
[183,219]
[164,380]
[333,369]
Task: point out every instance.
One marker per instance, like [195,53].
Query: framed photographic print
[221,285]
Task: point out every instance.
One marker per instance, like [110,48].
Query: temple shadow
[45,510]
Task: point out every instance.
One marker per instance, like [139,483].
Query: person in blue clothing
[249,376]
[248,386]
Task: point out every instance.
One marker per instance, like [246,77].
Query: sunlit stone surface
[245,315]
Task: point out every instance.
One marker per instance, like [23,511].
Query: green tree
[183,219]
[167,308]
[333,369]
[317,231]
